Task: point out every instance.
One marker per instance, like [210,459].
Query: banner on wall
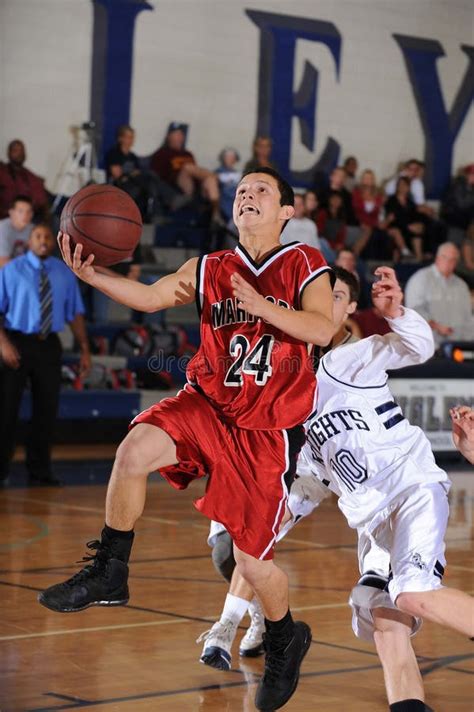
[426,403]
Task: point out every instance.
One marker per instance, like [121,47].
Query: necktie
[46,303]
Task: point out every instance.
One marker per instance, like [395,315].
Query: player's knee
[223,555]
[128,461]
[412,603]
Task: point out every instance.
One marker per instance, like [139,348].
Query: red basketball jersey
[254,374]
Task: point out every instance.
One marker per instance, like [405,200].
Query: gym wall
[336,64]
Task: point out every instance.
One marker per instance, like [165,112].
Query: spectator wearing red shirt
[15,180]
[177,166]
[374,241]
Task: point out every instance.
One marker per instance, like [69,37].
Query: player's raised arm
[169,291]
[463,430]
[313,323]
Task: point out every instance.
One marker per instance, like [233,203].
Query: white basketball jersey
[358,441]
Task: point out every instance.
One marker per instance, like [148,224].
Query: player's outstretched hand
[81,268]
[463,430]
[248,297]
[387,294]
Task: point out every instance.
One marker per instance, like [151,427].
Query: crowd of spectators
[348,214]
[352,217]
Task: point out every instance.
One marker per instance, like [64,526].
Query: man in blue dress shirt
[38,295]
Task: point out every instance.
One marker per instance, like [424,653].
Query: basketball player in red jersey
[238,419]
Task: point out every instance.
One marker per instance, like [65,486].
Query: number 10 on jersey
[254,362]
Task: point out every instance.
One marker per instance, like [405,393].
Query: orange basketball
[105,221]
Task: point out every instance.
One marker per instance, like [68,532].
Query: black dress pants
[40,366]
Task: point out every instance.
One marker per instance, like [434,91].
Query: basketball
[105,221]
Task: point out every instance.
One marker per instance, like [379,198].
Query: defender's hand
[387,294]
[463,430]
[81,268]
[248,297]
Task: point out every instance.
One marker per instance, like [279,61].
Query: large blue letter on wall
[112,56]
[277,102]
[440,127]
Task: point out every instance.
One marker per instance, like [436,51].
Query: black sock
[118,544]
[282,629]
[409,706]
[117,533]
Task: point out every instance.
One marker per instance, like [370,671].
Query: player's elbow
[322,334]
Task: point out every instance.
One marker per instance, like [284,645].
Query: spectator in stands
[261,156]
[300,228]
[124,170]
[311,204]
[434,229]
[345,258]
[38,294]
[336,185]
[374,241]
[350,167]
[177,166]
[465,268]
[15,230]
[229,177]
[442,298]
[15,180]
[412,170]
[458,206]
[403,220]
[331,222]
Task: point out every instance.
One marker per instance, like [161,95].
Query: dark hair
[12,143]
[351,281]
[341,212]
[402,179]
[45,226]
[123,129]
[227,149]
[287,196]
[21,199]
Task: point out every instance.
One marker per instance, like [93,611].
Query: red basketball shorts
[250,471]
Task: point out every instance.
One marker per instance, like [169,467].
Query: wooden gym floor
[144,658]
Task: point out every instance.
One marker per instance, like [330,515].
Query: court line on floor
[97,510]
[78,702]
[184,691]
[94,629]
[157,560]
[179,618]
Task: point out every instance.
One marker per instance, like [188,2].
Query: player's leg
[446,606]
[403,682]
[145,449]
[286,642]
[417,555]
[218,640]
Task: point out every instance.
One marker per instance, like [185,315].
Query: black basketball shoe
[101,583]
[282,668]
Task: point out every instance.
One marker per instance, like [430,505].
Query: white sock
[235,609]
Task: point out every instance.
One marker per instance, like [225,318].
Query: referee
[38,294]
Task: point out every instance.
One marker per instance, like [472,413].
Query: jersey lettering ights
[325,427]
